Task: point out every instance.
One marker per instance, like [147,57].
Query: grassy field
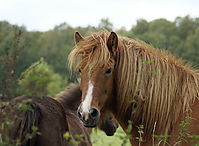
[99,138]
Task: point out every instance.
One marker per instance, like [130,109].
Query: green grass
[99,138]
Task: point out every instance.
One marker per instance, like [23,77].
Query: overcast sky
[43,15]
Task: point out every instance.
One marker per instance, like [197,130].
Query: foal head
[96,64]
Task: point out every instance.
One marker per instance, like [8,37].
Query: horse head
[97,75]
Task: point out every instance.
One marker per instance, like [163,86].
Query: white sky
[43,15]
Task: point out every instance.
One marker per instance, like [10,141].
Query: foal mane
[154,81]
[70,98]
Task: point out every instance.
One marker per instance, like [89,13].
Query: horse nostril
[79,115]
[94,113]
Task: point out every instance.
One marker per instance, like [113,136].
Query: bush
[41,80]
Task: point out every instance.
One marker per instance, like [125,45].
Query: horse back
[29,112]
[19,117]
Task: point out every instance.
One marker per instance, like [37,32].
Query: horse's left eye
[109,71]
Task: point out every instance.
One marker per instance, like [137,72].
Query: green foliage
[195,138]
[141,27]
[105,23]
[190,45]
[184,133]
[41,80]
[23,106]
[8,61]
[11,127]
[147,62]
[161,138]
[163,26]
[154,38]
[75,142]
[186,26]
[120,138]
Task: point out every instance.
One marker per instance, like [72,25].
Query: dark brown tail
[21,125]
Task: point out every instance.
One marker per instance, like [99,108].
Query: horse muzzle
[109,127]
[90,118]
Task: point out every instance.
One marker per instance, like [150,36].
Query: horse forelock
[92,52]
[161,85]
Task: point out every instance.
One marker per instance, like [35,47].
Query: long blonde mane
[161,85]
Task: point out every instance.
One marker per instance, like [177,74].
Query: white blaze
[86,104]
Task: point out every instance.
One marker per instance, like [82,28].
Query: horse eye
[109,71]
[80,70]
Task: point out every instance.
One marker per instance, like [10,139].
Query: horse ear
[112,43]
[78,37]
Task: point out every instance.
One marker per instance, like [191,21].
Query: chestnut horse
[146,89]
[52,119]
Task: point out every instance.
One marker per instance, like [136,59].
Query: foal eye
[80,70]
[109,71]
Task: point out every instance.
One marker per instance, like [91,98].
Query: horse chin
[90,126]
[112,132]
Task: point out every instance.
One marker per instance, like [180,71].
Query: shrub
[41,80]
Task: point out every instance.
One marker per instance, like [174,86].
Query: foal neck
[70,98]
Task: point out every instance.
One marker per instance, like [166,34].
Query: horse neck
[70,98]
[121,118]
[113,105]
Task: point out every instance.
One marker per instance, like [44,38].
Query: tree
[186,26]
[163,26]
[156,39]
[123,32]
[56,45]
[192,48]
[141,27]
[41,80]
[176,45]
[105,24]
[8,58]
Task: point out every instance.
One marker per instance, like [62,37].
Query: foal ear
[112,43]
[78,37]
